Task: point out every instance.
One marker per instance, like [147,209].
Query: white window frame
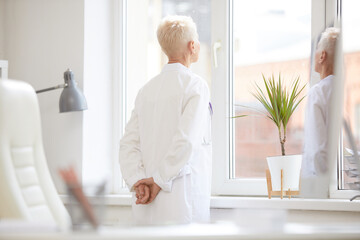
[222,100]
[323,13]
[333,11]
[119,91]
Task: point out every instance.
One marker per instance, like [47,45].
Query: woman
[165,154]
[317,109]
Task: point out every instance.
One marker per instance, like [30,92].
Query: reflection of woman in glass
[316,119]
[165,154]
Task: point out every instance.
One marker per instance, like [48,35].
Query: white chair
[27,191]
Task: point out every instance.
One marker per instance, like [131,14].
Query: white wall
[42,39]
[98,73]
[2,30]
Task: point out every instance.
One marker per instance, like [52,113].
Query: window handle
[216,47]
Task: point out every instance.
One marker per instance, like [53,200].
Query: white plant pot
[291,165]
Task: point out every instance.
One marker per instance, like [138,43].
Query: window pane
[270,37]
[351,42]
[144,57]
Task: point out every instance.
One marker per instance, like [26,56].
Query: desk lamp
[71,99]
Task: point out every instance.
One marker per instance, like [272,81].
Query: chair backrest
[26,187]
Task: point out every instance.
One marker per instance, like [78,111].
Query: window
[276,42]
[349,179]
[143,50]
[142,56]
[268,37]
[240,40]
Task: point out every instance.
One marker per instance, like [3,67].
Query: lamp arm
[52,88]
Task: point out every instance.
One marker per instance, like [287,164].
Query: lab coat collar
[328,77]
[326,80]
[175,67]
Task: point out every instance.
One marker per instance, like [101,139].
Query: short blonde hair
[328,39]
[174,32]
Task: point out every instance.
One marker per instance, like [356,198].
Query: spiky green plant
[280,102]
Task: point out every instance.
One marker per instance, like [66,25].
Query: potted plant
[280,103]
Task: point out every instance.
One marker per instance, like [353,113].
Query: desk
[218,231]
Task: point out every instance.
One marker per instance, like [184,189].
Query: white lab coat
[316,125]
[168,138]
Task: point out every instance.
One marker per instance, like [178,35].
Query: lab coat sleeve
[186,139]
[315,143]
[130,157]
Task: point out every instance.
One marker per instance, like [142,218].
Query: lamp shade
[71,99]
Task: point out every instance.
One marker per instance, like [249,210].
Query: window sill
[288,204]
[256,203]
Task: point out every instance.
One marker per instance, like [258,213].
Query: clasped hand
[146,190]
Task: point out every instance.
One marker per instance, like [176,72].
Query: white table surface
[220,230]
